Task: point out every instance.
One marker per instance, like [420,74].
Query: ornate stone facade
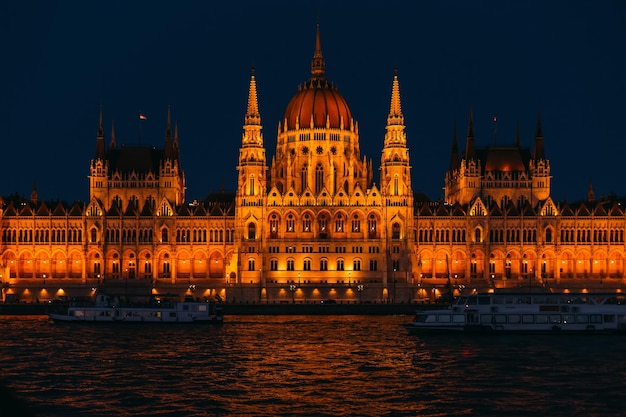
[312,224]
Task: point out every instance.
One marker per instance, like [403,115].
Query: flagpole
[495,128]
[139,128]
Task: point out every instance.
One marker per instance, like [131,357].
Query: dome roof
[320,101]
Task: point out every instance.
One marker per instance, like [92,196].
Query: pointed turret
[176,144]
[470,147]
[395,135]
[395,112]
[253,117]
[454,155]
[539,153]
[100,151]
[169,145]
[317,65]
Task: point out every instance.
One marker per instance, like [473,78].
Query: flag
[495,118]
[142,116]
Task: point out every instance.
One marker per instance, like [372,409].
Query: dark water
[294,365]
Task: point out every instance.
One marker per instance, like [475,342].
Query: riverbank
[234,309]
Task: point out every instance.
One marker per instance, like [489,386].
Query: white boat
[109,310]
[526,312]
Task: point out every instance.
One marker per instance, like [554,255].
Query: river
[305,366]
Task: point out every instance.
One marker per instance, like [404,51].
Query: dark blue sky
[62,60]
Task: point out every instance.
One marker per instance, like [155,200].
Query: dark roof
[135,158]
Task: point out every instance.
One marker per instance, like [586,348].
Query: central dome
[318,104]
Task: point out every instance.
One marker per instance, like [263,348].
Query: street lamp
[359,288]
[44,279]
[292,288]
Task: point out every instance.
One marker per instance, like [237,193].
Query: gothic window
[548,235]
[94,236]
[395,231]
[340,265]
[373,265]
[251,231]
[319,178]
[356,265]
[322,226]
[333,150]
[305,150]
[290,265]
[251,264]
[306,223]
[319,150]
[273,264]
[291,223]
[324,264]
[339,223]
[396,186]
[96,267]
[371,226]
[306,266]
[356,224]
[477,235]
[274,226]
[147,267]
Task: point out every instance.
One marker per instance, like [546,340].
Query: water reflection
[292,365]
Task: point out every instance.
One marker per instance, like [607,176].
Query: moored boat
[110,310]
[526,312]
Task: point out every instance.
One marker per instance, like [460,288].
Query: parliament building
[313,222]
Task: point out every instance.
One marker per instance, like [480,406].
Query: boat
[526,312]
[109,309]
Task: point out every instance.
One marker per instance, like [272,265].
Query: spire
[395,135]
[176,145]
[539,151]
[100,152]
[169,146]
[253,117]
[590,194]
[454,155]
[470,149]
[317,65]
[395,112]
[112,144]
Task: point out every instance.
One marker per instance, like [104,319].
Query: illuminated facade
[311,223]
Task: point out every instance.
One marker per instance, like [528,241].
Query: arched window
[395,231]
[477,235]
[251,189]
[396,185]
[251,264]
[94,235]
[251,231]
[319,178]
[548,235]
[164,236]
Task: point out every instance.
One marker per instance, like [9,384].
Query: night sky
[63,60]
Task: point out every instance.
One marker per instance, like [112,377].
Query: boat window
[568,318]
[444,318]
[582,318]
[609,318]
[555,318]
[595,318]
[527,318]
[471,301]
[431,318]
[458,318]
[499,318]
[486,318]
[541,318]
[514,318]
[461,300]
